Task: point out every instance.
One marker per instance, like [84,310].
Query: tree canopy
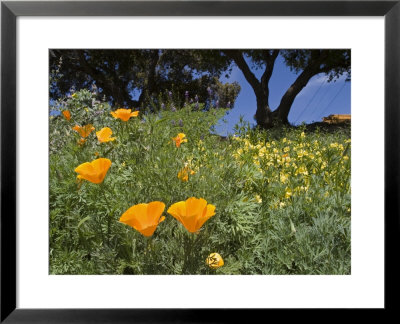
[152,76]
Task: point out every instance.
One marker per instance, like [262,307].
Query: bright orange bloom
[124,114]
[67,114]
[192,213]
[84,131]
[144,217]
[184,173]
[179,139]
[214,261]
[94,171]
[104,135]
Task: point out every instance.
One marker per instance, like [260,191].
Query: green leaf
[83,221]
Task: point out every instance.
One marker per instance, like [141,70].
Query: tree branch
[237,57]
[269,67]
[287,99]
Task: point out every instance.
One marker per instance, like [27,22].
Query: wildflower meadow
[159,192]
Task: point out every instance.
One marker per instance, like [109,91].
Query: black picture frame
[10,10]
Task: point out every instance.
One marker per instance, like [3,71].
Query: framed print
[126,198]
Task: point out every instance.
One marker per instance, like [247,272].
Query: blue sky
[318,99]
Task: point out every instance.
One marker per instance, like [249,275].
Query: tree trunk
[263,113]
[260,88]
[282,112]
[264,116]
[150,82]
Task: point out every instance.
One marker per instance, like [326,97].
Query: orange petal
[178,210]
[148,231]
[154,211]
[195,206]
[104,135]
[208,212]
[67,114]
[144,217]
[94,171]
[134,216]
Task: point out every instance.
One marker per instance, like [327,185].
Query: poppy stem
[121,130]
[109,214]
[109,150]
[188,253]
[148,254]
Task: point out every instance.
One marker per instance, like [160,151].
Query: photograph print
[199,161]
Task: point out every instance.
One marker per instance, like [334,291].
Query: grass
[282,196]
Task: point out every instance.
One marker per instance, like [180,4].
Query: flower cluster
[291,163]
[145,217]
[192,213]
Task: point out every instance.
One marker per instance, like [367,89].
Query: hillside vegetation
[277,201]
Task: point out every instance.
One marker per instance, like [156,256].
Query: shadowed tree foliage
[120,74]
[306,63]
[153,75]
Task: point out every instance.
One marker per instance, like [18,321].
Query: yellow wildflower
[214,261]
[284,177]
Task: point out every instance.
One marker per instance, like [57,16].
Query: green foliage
[274,215]
[121,73]
[334,62]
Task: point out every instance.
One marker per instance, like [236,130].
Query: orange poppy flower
[81,141]
[179,139]
[94,171]
[124,114]
[104,135]
[144,217]
[192,213]
[184,173]
[84,131]
[67,114]
[214,261]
